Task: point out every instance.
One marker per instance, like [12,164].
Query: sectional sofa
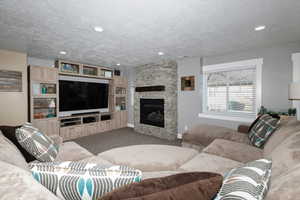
[221,155]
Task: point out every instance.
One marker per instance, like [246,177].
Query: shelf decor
[10,81]
[188,83]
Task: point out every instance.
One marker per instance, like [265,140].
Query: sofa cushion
[37,143]
[192,186]
[204,134]
[10,133]
[86,181]
[286,155]
[97,160]
[250,181]
[262,130]
[233,150]
[286,128]
[150,157]
[71,151]
[10,154]
[17,183]
[286,186]
[210,163]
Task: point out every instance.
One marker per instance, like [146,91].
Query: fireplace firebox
[152,112]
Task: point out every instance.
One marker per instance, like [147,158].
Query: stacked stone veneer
[165,74]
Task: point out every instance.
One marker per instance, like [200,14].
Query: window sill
[226,118]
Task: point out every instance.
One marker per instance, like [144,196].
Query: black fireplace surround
[152,112]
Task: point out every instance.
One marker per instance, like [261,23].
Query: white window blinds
[231,92]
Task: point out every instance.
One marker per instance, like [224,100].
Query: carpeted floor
[118,138]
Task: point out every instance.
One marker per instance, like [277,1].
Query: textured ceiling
[135,30]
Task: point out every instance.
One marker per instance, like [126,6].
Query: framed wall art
[188,83]
[10,81]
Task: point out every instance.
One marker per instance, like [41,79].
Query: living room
[149,99]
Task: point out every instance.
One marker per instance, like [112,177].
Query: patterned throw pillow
[262,130]
[36,143]
[78,180]
[249,182]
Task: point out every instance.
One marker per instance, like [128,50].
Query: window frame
[239,65]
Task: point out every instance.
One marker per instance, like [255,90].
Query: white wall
[276,75]
[189,102]
[13,105]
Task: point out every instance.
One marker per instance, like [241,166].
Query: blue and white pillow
[36,143]
[79,180]
[249,182]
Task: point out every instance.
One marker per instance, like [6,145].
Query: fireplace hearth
[152,112]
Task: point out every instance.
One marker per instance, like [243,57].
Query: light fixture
[161,53]
[118,64]
[98,29]
[260,28]
[63,52]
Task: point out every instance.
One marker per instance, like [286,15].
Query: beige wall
[13,105]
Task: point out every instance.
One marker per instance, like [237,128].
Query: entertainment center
[75,100]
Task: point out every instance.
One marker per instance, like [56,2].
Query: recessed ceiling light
[260,28]
[98,29]
[118,64]
[161,53]
[63,53]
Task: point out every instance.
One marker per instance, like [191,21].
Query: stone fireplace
[155,100]
[152,112]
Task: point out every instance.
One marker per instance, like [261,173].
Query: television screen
[76,95]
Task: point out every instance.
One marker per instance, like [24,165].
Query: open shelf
[44,108]
[77,69]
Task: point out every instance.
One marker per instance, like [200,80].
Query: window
[232,89]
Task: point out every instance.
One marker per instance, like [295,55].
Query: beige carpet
[118,138]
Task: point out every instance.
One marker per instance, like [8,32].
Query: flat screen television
[82,95]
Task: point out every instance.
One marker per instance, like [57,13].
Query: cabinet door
[90,129]
[43,74]
[50,74]
[65,133]
[124,119]
[36,73]
[49,127]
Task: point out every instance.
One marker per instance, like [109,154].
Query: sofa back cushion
[286,155]
[286,186]
[286,128]
[10,154]
[10,133]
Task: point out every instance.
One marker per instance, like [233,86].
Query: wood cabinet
[49,127]
[120,119]
[78,69]
[43,98]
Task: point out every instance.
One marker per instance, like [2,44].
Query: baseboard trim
[130,125]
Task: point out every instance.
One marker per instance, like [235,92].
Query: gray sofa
[219,156]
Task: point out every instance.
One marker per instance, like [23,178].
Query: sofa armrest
[243,128]
[57,139]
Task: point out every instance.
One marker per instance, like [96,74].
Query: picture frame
[188,83]
[10,81]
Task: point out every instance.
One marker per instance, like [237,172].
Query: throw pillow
[36,143]
[78,180]
[249,182]
[10,133]
[262,130]
[191,186]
